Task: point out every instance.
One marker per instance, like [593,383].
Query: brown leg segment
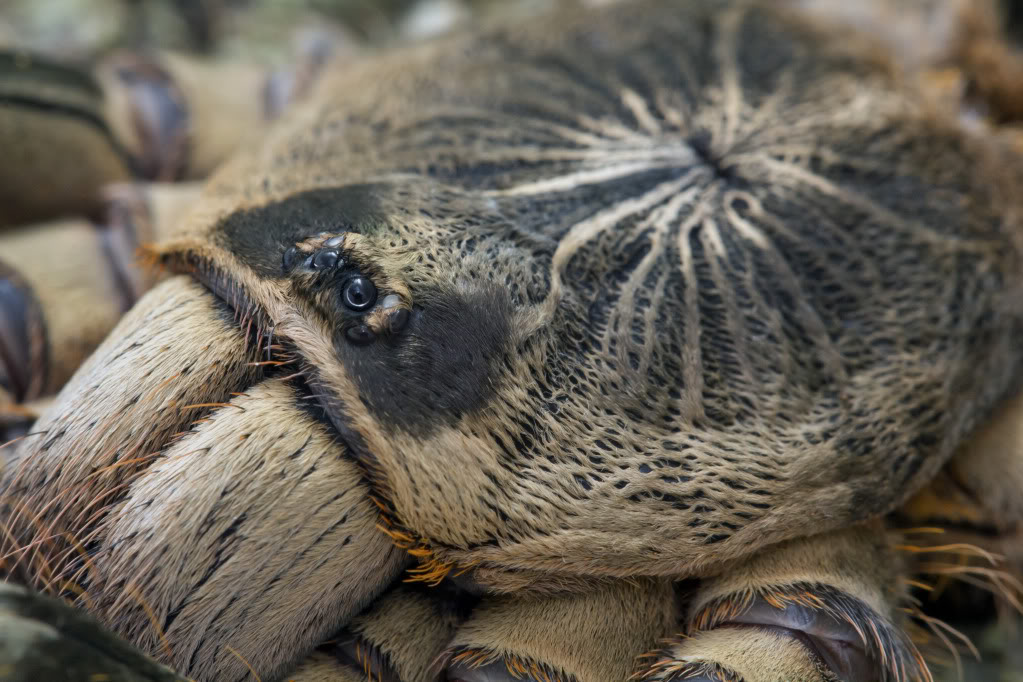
[323,667]
[244,538]
[989,469]
[251,540]
[100,432]
[595,636]
[58,150]
[179,116]
[966,526]
[64,285]
[819,609]
[401,636]
[65,271]
[24,352]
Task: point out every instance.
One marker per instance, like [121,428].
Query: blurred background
[247,29]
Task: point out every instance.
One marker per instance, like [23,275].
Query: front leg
[818,609]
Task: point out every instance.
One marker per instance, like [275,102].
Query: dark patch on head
[441,367]
[259,236]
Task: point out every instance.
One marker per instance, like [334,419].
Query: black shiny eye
[359,293]
[289,258]
[325,259]
[398,319]
[360,335]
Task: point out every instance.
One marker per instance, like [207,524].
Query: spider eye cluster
[356,293]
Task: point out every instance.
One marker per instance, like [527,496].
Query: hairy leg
[417,633]
[989,468]
[191,533]
[818,609]
[967,525]
[595,636]
[400,636]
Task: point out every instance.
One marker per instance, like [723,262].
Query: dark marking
[22,73]
[442,367]
[89,118]
[360,335]
[24,347]
[160,116]
[398,319]
[16,64]
[119,241]
[259,237]
[288,260]
[701,143]
[325,259]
